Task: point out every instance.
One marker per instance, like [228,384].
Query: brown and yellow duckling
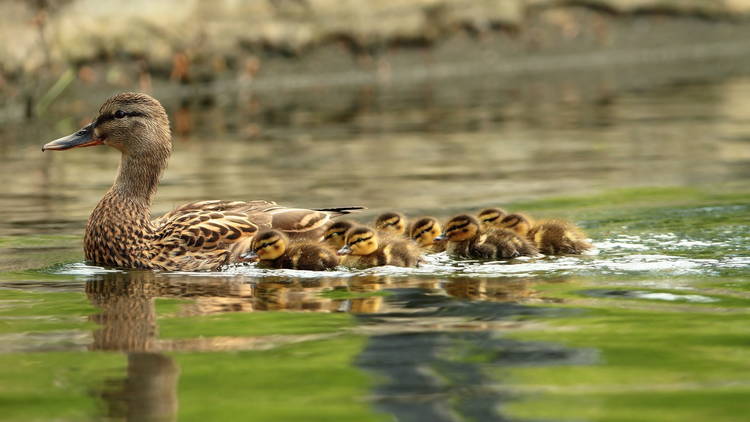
[335,234]
[559,237]
[393,223]
[198,236]
[517,222]
[491,217]
[551,237]
[273,249]
[466,240]
[366,248]
[424,232]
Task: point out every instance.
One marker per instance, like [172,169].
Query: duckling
[424,231]
[517,222]
[366,248]
[273,250]
[392,223]
[556,237]
[466,240]
[491,217]
[335,234]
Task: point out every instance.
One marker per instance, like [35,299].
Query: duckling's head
[459,228]
[391,222]
[133,123]
[360,241]
[519,223]
[267,245]
[335,234]
[491,217]
[425,230]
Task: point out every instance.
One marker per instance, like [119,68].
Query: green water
[652,325]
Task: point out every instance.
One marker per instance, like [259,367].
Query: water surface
[651,325]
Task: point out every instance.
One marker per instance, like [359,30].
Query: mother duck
[199,236]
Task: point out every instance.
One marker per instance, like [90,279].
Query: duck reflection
[492,289]
[148,392]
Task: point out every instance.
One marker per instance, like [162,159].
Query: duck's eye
[119,114]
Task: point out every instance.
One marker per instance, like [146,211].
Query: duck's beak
[441,238]
[82,138]
[249,256]
[346,250]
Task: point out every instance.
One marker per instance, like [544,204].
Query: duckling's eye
[119,114]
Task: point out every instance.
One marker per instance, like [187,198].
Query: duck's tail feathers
[340,210]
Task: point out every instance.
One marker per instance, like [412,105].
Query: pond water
[651,325]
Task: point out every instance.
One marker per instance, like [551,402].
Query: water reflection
[127,323]
[147,393]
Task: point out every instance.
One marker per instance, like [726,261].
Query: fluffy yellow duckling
[393,223]
[556,237]
[335,235]
[365,248]
[466,240]
[273,250]
[491,217]
[424,232]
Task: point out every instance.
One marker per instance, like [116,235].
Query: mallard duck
[366,248]
[273,249]
[203,235]
[335,234]
[466,240]
[391,223]
[555,237]
[424,232]
[490,217]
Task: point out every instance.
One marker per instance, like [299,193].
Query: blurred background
[423,105]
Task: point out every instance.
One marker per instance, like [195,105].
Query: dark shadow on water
[447,375]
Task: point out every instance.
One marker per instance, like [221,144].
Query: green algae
[253,324]
[24,312]
[54,385]
[312,381]
[673,353]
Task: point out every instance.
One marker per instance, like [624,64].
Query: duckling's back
[310,256]
[508,244]
[401,253]
[554,237]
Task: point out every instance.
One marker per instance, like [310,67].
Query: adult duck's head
[136,125]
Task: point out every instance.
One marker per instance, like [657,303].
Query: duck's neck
[138,179]
[119,231]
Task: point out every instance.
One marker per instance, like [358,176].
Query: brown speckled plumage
[198,236]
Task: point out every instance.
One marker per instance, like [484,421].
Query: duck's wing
[211,206]
[207,234]
[300,222]
[200,239]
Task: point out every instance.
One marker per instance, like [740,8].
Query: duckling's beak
[82,138]
[441,237]
[249,256]
[346,250]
